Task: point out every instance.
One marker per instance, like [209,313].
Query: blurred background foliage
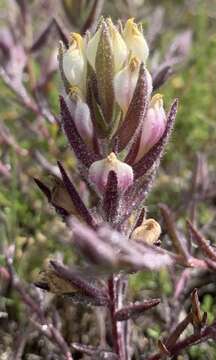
[25,216]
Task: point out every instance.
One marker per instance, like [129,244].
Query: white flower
[83,121]
[74,63]
[125,83]
[135,41]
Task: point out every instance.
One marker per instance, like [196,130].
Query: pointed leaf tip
[76,199]
[110,201]
[43,188]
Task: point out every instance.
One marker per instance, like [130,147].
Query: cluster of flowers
[116,128]
[114,58]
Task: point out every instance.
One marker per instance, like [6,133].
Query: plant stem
[116,286]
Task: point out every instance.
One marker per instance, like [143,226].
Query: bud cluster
[109,98]
[116,127]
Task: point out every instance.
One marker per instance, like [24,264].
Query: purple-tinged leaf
[24,12]
[136,111]
[104,64]
[177,239]
[98,120]
[85,287]
[85,349]
[81,150]
[110,201]
[135,310]
[207,333]
[173,337]
[156,22]
[140,219]
[61,31]
[196,310]
[76,199]
[133,151]
[136,195]
[43,37]
[202,242]
[44,189]
[144,164]
[91,246]
[61,51]
[64,213]
[141,256]
[163,348]
[180,48]
[161,76]
[95,353]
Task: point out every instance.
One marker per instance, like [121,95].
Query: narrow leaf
[61,51]
[133,151]
[202,242]
[44,189]
[61,211]
[104,64]
[97,116]
[161,76]
[135,310]
[93,16]
[43,37]
[85,287]
[110,201]
[136,111]
[171,340]
[196,310]
[177,240]
[76,199]
[92,246]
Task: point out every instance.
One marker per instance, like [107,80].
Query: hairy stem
[116,285]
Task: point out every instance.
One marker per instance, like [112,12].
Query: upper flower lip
[135,40]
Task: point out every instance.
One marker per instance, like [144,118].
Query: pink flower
[153,127]
[99,171]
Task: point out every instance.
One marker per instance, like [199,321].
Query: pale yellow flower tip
[157,100]
[149,232]
[135,40]
[76,41]
[74,63]
[125,82]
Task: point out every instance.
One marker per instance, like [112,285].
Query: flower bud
[148,232]
[153,127]
[74,63]
[83,121]
[99,171]
[118,46]
[135,41]
[125,82]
